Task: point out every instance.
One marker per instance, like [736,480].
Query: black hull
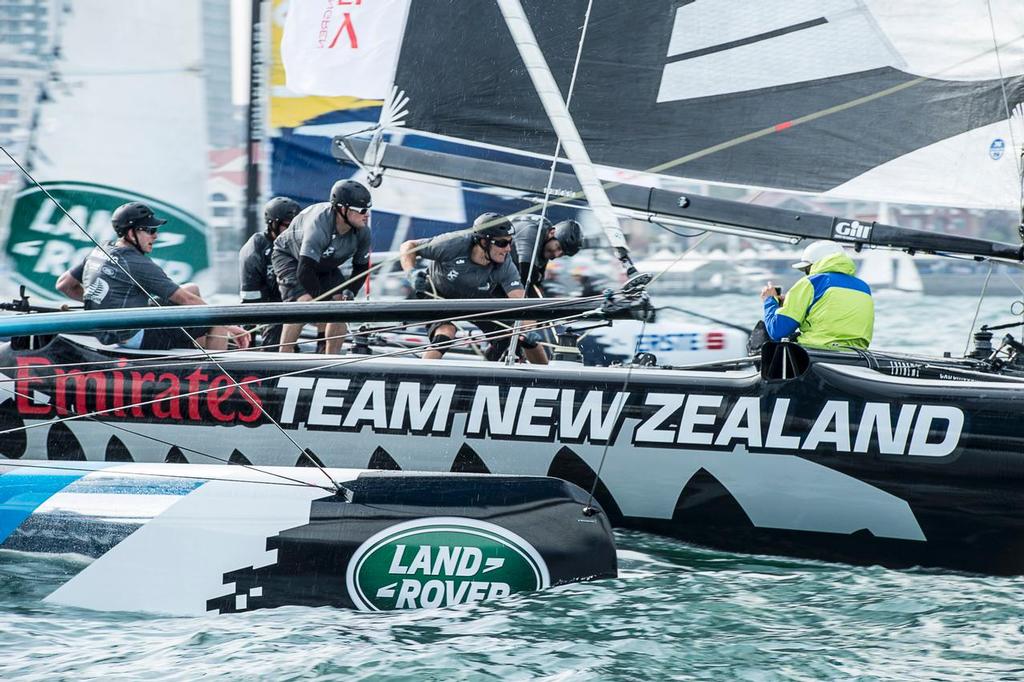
[906,463]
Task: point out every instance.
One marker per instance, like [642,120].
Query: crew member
[830,306]
[563,239]
[126,278]
[473,264]
[308,254]
[255,267]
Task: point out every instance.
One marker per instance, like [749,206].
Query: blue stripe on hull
[21,493]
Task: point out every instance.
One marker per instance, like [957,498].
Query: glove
[419,281]
[531,339]
[347,295]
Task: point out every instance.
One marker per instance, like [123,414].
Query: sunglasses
[360,211]
[501,243]
[148,230]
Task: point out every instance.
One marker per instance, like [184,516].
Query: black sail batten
[324,311]
[659,202]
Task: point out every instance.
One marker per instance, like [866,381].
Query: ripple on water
[675,610]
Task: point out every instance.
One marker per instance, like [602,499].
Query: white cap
[815,251]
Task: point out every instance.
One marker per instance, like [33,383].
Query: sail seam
[722,47]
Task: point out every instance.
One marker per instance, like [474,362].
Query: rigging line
[731,325]
[345,362]
[683,255]
[114,468]
[678,234]
[977,311]
[398,352]
[124,364]
[808,118]
[551,174]
[1006,106]
[625,400]
[1020,290]
[152,298]
[168,443]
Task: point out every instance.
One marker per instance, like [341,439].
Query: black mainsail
[808,96]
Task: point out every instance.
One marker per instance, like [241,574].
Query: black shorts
[292,289]
[498,346]
[166,339]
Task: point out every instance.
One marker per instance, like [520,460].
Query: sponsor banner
[437,562]
[555,413]
[44,242]
[343,47]
[289,109]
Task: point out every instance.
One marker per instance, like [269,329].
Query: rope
[1006,107]
[51,467]
[454,343]
[977,311]
[604,451]
[551,173]
[153,299]
[683,255]
[169,444]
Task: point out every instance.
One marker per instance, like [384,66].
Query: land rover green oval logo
[43,242]
[442,561]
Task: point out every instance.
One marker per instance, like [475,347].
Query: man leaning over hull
[830,306]
[532,252]
[307,256]
[121,276]
[255,267]
[470,265]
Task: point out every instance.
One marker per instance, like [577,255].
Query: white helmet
[815,251]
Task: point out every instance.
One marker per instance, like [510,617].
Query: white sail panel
[976,169]
[735,46]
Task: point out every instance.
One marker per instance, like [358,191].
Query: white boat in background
[692,275]
[889,270]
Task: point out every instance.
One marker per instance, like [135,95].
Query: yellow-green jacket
[831,307]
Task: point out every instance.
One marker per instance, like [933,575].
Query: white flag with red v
[343,47]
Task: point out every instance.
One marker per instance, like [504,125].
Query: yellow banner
[287,109]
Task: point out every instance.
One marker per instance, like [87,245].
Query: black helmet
[350,194]
[541,221]
[280,210]
[499,227]
[134,214]
[570,236]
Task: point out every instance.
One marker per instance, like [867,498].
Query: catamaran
[866,456]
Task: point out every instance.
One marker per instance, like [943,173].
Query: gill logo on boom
[852,231]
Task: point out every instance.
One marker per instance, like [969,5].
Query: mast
[254,121]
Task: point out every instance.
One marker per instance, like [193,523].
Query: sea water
[676,610]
